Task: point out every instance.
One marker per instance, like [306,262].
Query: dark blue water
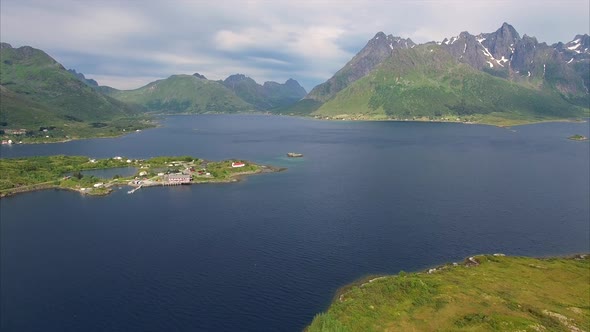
[267,254]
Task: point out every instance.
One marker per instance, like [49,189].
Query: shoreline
[106,189]
[153,124]
[524,123]
[466,262]
[86,138]
[457,291]
[157,124]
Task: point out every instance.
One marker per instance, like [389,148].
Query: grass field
[497,294]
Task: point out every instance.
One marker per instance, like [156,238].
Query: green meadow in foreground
[486,293]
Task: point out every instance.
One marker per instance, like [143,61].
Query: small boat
[294,155]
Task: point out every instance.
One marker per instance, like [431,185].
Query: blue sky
[127,44]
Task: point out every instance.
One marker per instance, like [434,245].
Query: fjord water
[268,253]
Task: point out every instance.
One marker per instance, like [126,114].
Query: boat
[294,155]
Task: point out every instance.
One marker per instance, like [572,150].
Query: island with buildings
[18,175]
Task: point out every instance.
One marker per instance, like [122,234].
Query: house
[237,164]
[177,178]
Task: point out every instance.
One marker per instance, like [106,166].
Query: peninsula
[483,293]
[20,175]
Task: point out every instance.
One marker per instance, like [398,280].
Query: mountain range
[42,101]
[197,94]
[497,77]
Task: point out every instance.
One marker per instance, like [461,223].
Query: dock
[134,189]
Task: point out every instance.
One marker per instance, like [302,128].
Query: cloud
[122,82]
[130,42]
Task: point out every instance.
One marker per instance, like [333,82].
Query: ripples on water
[266,254]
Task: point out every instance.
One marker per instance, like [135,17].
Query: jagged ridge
[558,74]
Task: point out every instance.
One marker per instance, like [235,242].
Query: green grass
[500,294]
[17,174]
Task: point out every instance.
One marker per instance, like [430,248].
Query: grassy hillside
[426,82]
[491,293]
[185,94]
[36,91]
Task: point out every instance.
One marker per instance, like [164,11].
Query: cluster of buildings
[183,177]
[16,132]
[177,178]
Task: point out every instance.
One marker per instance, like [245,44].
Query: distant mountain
[505,54]
[88,81]
[196,94]
[496,77]
[38,92]
[270,95]
[185,94]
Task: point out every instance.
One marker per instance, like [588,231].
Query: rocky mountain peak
[379,35]
[292,83]
[5,45]
[500,44]
[197,75]
[508,31]
[238,78]
[580,44]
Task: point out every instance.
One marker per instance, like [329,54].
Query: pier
[134,189]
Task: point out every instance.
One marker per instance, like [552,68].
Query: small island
[482,293]
[578,138]
[18,175]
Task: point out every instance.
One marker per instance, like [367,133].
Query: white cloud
[89,27]
[122,82]
[307,40]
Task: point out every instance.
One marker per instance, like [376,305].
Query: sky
[127,44]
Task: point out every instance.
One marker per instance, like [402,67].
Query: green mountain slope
[185,94]
[486,293]
[36,91]
[376,51]
[426,82]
